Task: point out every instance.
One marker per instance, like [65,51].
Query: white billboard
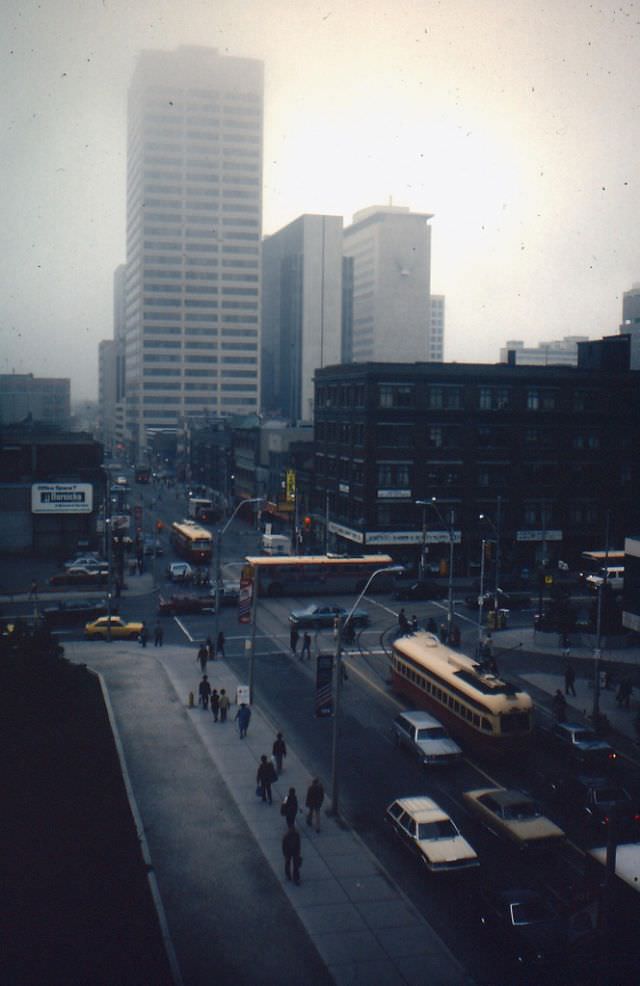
[61,498]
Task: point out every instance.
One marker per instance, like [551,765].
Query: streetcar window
[486,725]
[476,719]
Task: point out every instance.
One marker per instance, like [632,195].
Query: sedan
[316,617]
[91,559]
[186,604]
[113,626]
[514,815]
[179,571]
[528,923]
[424,828]
[583,744]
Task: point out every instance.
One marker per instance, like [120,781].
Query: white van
[614,575]
[276,544]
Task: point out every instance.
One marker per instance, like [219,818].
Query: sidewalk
[363,927]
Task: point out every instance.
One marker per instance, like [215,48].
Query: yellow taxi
[115,626]
[514,815]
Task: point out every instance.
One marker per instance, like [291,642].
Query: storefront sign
[346,532]
[538,535]
[61,498]
[394,494]
[393,537]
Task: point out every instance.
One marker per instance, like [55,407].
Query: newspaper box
[242,695]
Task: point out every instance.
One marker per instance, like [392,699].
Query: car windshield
[442,829]
[524,809]
[530,912]
[583,736]
[432,732]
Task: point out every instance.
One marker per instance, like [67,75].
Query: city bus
[487,714]
[191,542]
[202,509]
[297,575]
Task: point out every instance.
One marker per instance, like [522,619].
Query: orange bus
[297,575]
[192,542]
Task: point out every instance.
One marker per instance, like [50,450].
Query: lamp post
[496,530]
[481,596]
[595,716]
[340,625]
[219,536]
[421,566]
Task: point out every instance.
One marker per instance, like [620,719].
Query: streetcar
[486,713]
[191,542]
[297,575]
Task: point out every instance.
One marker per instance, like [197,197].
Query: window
[444,397]
[395,395]
[393,475]
[494,398]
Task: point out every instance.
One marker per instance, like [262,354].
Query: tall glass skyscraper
[194,218]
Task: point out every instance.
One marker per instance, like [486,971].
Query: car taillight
[613,755]
[636,818]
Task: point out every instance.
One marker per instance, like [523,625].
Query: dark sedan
[317,617]
[174,605]
[528,923]
[76,612]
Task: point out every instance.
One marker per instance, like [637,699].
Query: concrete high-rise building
[24,398]
[630,324]
[301,312]
[194,216]
[557,352]
[436,331]
[391,251]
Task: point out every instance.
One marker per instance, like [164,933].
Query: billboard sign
[61,498]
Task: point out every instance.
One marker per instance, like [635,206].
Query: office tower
[194,207]
[25,398]
[436,332]
[631,322]
[557,352]
[391,251]
[301,312]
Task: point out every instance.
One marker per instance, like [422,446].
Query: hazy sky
[515,122]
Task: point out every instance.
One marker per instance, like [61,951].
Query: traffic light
[307,523]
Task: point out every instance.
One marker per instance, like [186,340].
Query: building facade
[44,399]
[436,331]
[545,452]
[391,252]
[560,352]
[630,324]
[194,214]
[301,312]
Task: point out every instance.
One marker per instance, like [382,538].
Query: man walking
[202,657]
[294,636]
[279,751]
[220,644]
[215,704]
[224,705]
[265,777]
[306,647]
[315,797]
[158,636]
[204,691]
[243,715]
[291,853]
[569,680]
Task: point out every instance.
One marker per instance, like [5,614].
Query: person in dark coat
[290,807]
[315,797]
[265,777]
[569,680]
[204,691]
[158,636]
[306,647]
[202,657]
[403,622]
[243,715]
[291,853]
[294,636]
[215,704]
[220,644]
[224,705]
[279,751]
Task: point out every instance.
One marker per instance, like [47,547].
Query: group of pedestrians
[207,653]
[294,637]
[218,701]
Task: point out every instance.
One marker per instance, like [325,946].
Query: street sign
[324,686]
[245,599]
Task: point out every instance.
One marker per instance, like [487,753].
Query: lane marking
[184,629]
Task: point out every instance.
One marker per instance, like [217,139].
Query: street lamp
[421,565]
[340,625]
[496,530]
[449,526]
[595,716]
[218,570]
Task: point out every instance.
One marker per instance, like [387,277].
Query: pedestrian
[224,705]
[215,704]
[158,636]
[265,777]
[443,633]
[202,657]
[279,751]
[432,626]
[569,679]
[294,636]
[403,623]
[559,706]
[306,647]
[313,802]
[566,647]
[209,646]
[291,853]
[625,688]
[144,635]
[289,807]
[204,691]
[455,635]
[243,715]
[220,644]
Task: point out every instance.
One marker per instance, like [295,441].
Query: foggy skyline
[516,125]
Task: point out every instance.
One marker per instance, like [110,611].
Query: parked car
[76,612]
[315,617]
[90,559]
[426,738]
[583,745]
[527,922]
[515,815]
[179,571]
[418,590]
[118,628]
[80,576]
[186,604]
[229,592]
[424,828]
